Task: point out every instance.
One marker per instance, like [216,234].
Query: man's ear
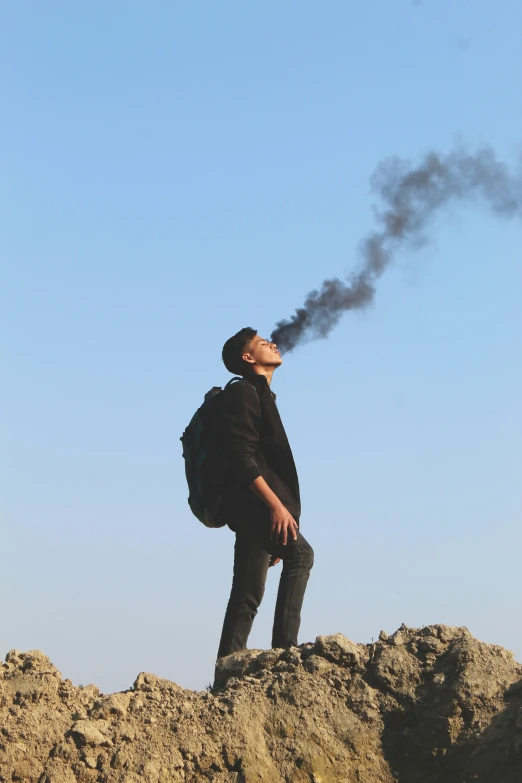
[247,357]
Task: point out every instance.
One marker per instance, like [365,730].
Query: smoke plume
[411,197]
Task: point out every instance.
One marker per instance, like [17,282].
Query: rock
[115,705]
[150,772]
[316,664]
[88,733]
[397,670]
[430,644]
[144,682]
[120,758]
[88,692]
[339,649]
[128,734]
[397,638]
[55,772]
[27,770]
[233,666]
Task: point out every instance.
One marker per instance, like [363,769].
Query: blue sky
[172,172]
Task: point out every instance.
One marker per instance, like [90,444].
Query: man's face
[263,353]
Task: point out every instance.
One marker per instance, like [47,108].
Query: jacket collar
[260,382]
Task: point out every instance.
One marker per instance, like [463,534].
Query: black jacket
[256,443]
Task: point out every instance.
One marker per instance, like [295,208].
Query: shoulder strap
[241,378]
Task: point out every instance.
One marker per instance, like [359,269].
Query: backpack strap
[241,378]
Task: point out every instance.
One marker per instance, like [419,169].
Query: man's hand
[284,526]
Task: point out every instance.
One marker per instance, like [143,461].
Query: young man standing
[261,501]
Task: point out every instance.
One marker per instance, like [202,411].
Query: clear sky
[172,172]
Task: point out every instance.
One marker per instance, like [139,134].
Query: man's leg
[298,559]
[251,562]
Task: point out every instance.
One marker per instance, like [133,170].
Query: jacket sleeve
[240,419]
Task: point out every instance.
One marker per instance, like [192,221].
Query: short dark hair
[234,348]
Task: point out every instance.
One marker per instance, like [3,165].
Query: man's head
[247,352]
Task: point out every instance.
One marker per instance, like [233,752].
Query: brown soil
[421,706]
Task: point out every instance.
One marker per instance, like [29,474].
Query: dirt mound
[423,705]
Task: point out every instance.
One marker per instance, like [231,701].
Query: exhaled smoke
[411,196]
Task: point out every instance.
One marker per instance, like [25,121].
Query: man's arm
[241,417]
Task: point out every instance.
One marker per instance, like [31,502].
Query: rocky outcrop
[429,705]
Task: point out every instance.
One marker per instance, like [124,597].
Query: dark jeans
[252,553]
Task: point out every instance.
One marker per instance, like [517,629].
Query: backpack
[205,463]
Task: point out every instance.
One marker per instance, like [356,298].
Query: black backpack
[205,462]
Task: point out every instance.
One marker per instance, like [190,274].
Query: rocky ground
[421,706]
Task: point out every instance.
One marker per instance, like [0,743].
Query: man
[261,501]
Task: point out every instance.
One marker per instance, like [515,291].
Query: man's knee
[309,557]
[304,554]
